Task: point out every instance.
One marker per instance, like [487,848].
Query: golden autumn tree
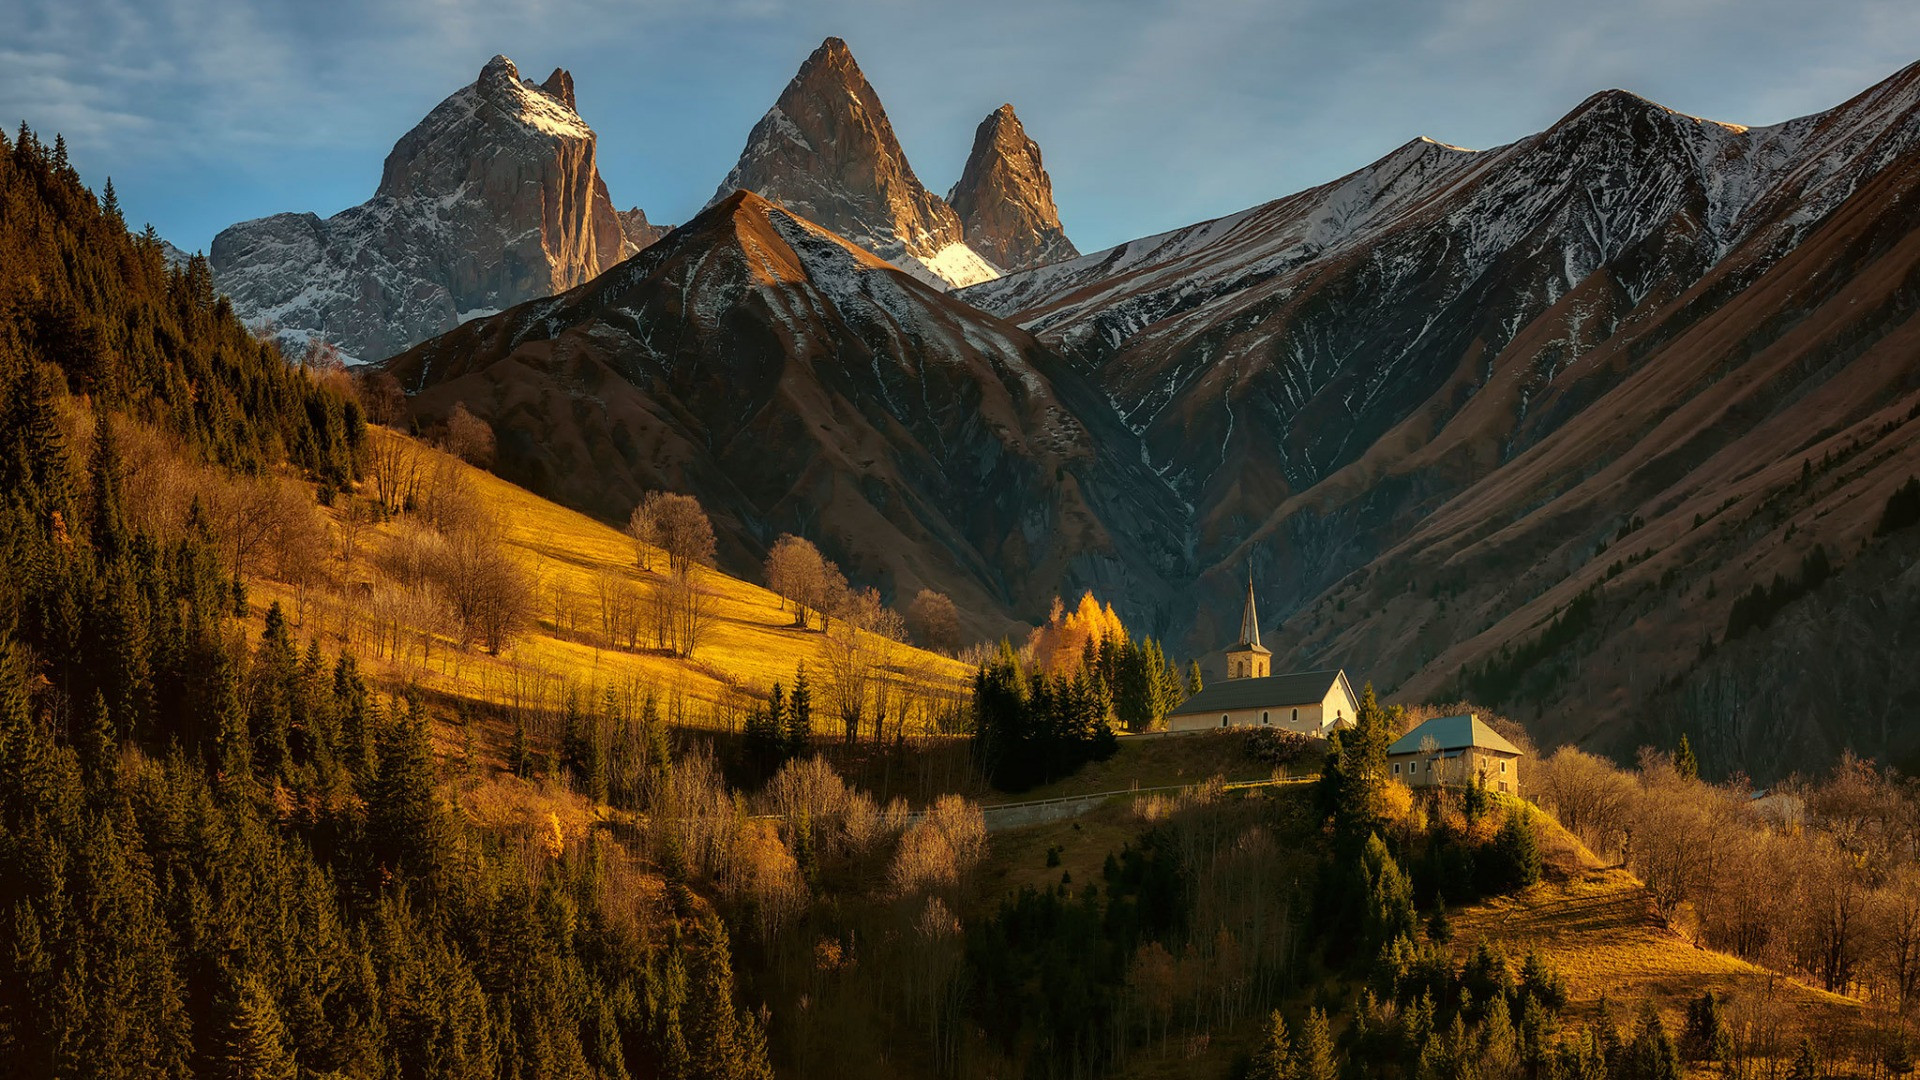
[1058,646]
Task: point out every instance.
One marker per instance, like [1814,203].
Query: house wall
[1412,770]
[1337,707]
[1307,719]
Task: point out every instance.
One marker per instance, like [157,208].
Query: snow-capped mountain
[1423,400]
[827,152]
[493,199]
[796,382]
[1005,198]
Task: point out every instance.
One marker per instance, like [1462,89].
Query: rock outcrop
[827,152]
[494,198]
[1005,198]
[640,233]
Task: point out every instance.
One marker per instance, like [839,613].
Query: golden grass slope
[751,645]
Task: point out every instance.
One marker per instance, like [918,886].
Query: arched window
[1223,719]
[1266,717]
[1296,716]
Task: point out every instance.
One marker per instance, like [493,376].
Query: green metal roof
[1452,733]
[1272,692]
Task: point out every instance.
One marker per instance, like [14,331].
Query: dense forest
[228,857]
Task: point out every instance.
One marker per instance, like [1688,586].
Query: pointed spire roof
[1250,622]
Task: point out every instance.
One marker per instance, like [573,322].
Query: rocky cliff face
[493,199]
[796,383]
[1005,198]
[827,152]
[640,233]
[1640,358]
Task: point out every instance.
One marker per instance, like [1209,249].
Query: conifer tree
[1274,1059]
[1315,1059]
[1684,762]
[519,756]
[275,668]
[1194,683]
[403,812]
[799,733]
[719,1044]
[253,1039]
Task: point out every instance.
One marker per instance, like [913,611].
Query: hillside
[1639,357]
[796,383]
[573,564]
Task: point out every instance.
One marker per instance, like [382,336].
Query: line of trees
[1816,878]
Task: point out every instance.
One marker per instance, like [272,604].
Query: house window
[1296,716]
[1223,720]
[1396,768]
[1503,766]
[1266,717]
[1429,765]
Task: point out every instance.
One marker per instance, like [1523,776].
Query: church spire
[1250,620]
[1249,659]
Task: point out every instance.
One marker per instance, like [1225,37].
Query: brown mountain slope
[1418,400]
[1779,419]
[797,383]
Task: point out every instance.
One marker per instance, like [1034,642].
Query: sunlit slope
[751,643]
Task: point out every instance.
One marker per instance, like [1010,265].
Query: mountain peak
[498,71]
[559,86]
[1005,198]
[493,198]
[827,150]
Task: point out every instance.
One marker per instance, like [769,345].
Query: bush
[1277,746]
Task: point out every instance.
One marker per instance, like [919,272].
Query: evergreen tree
[1316,1060]
[254,1041]
[1684,762]
[799,733]
[519,757]
[1513,860]
[718,1042]
[275,668]
[1274,1059]
[1652,1054]
[1387,914]
[403,812]
[1705,1037]
[1194,683]
[1806,1063]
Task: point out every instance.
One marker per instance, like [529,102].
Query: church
[1309,702]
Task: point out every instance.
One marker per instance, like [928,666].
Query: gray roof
[1452,733]
[1272,692]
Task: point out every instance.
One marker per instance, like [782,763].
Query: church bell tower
[1248,660]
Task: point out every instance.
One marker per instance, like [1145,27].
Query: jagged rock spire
[1005,198]
[827,152]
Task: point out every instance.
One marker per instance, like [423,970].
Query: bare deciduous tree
[381,397]
[468,437]
[934,621]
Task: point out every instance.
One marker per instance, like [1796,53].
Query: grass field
[1150,761]
[1598,927]
[751,644]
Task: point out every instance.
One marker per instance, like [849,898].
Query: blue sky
[1151,114]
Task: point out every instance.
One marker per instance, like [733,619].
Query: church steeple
[1248,659]
[1249,619]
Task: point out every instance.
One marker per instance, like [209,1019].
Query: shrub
[1277,746]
